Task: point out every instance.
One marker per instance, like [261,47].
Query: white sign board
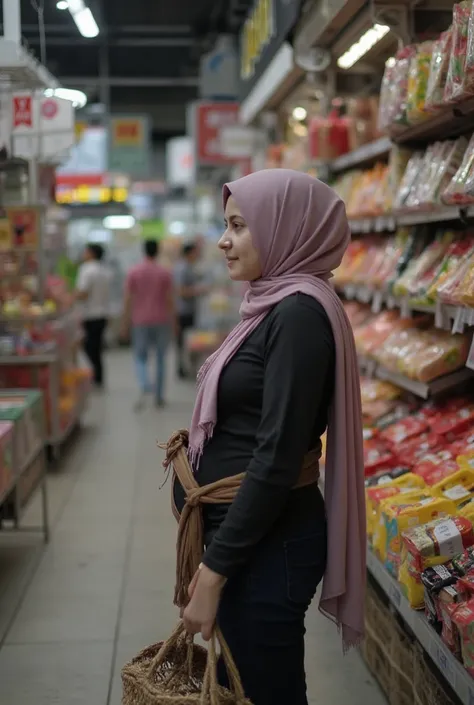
[179,162]
[42,128]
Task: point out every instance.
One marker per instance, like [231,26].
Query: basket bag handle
[210,688]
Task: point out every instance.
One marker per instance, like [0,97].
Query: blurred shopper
[286,372]
[93,291]
[189,289]
[150,309]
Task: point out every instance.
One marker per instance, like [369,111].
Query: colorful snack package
[455,192]
[458,82]
[464,562]
[407,428]
[400,76]
[449,598]
[430,545]
[463,619]
[434,579]
[418,83]
[438,71]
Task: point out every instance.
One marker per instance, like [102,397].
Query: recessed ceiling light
[77,98]
[62,5]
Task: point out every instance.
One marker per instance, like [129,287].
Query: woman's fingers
[206,630]
[193,583]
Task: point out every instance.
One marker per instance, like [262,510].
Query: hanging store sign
[129,144]
[209,121]
[263,34]
[85,194]
[42,128]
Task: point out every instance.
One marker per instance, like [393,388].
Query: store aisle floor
[73,613]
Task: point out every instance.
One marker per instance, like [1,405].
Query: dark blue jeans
[263,608]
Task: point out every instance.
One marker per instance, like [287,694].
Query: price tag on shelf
[350,291]
[377,301]
[391,302]
[366,225]
[442,319]
[458,325]
[444,663]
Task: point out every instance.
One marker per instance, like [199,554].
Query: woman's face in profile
[242,257]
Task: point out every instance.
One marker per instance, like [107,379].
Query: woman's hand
[205,592]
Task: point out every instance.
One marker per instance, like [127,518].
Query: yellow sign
[127,132]
[91,194]
[257,32]
[79,129]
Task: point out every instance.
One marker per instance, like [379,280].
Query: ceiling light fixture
[300,114]
[118,222]
[83,18]
[77,98]
[368,40]
[62,5]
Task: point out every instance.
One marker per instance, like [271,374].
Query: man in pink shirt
[150,309]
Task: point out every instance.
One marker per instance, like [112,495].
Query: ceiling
[146,57]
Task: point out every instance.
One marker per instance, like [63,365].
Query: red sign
[211,118]
[49,109]
[23,111]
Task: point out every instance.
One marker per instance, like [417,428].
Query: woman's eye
[238,226]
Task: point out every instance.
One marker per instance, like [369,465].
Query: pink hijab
[300,229]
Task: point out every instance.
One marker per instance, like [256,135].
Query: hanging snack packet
[458,83]
[456,192]
[400,84]
[418,83]
[438,71]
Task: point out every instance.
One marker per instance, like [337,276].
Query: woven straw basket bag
[178,672]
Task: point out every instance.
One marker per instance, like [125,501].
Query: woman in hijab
[286,373]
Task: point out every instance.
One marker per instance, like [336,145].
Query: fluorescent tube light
[83,18]
[77,98]
[361,47]
[118,222]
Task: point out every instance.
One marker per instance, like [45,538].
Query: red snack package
[453,422]
[377,457]
[436,466]
[405,428]
[414,449]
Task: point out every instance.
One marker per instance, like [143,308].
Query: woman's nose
[224,243]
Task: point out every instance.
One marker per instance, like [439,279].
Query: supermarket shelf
[390,221]
[422,389]
[451,122]
[45,359]
[362,155]
[453,671]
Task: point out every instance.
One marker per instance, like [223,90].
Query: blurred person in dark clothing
[189,288]
[93,292]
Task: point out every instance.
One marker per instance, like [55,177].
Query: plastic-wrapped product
[446,354]
[455,256]
[441,173]
[430,545]
[459,84]
[387,99]
[451,290]
[418,82]
[397,164]
[400,84]
[432,255]
[438,71]
[463,618]
[410,177]
[456,192]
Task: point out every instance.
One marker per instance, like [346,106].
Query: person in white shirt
[93,291]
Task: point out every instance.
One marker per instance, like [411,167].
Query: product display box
[25,410]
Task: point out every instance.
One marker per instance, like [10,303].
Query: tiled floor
[73,613]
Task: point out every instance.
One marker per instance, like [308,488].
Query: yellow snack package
[399,517]
[379,533]
[375,495]
[456,487]
[466,461]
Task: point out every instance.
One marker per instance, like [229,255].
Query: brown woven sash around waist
[190,542]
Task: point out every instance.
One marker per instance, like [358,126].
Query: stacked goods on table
[23,410]
[427,78]
[73,386]
[414,264]
[407,346]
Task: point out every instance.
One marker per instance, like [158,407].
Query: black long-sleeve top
[272,406]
